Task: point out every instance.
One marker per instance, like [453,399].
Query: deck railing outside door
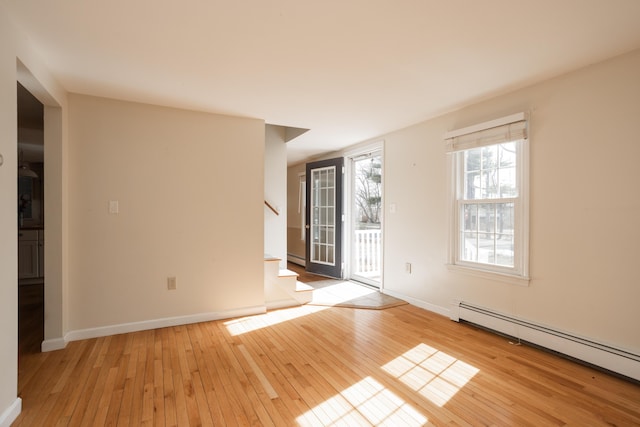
[368,249]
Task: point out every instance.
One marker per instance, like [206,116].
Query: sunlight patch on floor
[434,374]
[341,292]
[252,323]
[365,403]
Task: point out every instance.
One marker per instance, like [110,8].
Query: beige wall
[8,220]
[275,192]
[56,214]
[190,193]
[585,205]
[295,245]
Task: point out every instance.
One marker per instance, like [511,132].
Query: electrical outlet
[407,267]
[171,283]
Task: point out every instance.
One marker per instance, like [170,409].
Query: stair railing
[274,210]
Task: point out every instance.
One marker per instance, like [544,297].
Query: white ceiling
[349,70]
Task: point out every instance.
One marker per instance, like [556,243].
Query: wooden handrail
[272,208]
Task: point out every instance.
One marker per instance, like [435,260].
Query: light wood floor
[318,366]
[30,318]
[303,275]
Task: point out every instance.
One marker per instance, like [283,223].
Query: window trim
[519,274]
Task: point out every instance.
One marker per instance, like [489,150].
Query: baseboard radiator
[595,353]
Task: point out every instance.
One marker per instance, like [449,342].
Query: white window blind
[506,129]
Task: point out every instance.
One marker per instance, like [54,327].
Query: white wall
[15,55]
[585,206]
[190,193]
[275,192]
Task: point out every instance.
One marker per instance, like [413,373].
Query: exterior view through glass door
[366,226]
[324,217]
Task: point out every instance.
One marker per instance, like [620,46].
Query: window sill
[512,279]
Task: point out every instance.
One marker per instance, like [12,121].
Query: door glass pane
[367,221]
[322,212]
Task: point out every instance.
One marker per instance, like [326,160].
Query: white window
[489,198]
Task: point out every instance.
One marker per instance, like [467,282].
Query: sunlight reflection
[252,323]
[341,292]
[431,372]
[366,402]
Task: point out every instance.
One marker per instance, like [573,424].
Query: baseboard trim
[418,303]
[123,328]
[53,344]
[296,260]
[10,414]
[283,303]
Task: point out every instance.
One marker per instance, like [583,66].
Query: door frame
[55,207]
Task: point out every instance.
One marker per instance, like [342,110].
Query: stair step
[287,273]
[287,281]
[303,287]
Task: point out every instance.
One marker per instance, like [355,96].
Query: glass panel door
[366,238]
[324,217]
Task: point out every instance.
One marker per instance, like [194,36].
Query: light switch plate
[114,207]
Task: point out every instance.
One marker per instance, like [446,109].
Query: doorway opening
[355,253]
[366,217]
[30,183]
[49,134]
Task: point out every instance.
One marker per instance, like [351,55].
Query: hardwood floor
[303,276]
[30,318]
[313,365]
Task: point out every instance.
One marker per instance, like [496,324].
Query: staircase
[281,286]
